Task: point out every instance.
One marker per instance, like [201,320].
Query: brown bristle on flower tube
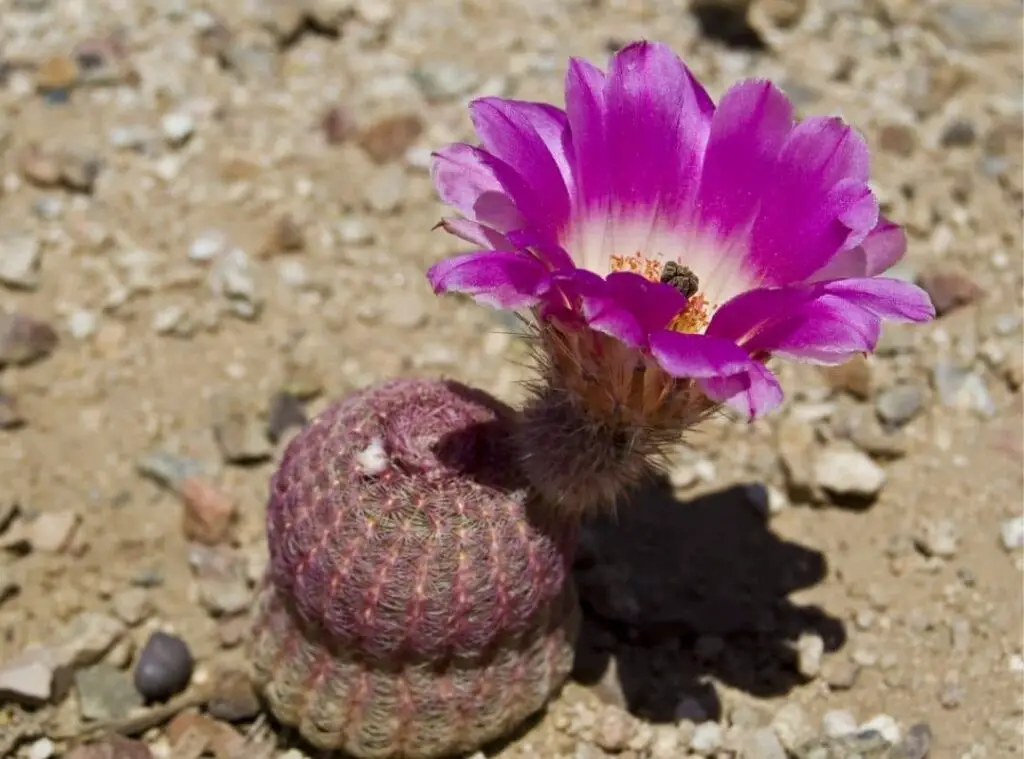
[598,422]
[418,603]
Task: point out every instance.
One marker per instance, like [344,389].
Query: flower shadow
[677,595]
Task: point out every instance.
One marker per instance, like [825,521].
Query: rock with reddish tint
[853,377]
[11,417]
[949,289]
[233,699]
[111,747]
[388,139]
[407,566]
[24,339]
[337,124]
[207,513]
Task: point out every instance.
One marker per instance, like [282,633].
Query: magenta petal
[752,393]
[555,255]
[741,317]
[882,248]
[532,139]
[884,297]
[655,304]
[657,118]
[584,107]
[496,278]
[684,354]
[819,203]
[465,181]
[747,133]
[476,233]
[826,330]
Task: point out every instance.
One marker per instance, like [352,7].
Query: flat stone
[240,435]
[87,638]
[20,258]
[24,339]
[105,693]
[33,677]
[848,473]
[52,531]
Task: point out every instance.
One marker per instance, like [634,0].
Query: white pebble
[41,749]
[885,726]
[293,273]
[177,128]
[1011,533]
[82,324]
[810,649]
[1017,664]
[707,738]
[838,723]
[207,246]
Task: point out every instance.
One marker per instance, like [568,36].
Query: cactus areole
[418,601]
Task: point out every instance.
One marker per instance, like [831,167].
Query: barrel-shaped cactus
[418,600]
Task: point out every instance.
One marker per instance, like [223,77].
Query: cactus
[418,600]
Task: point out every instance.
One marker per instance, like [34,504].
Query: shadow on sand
[676,593]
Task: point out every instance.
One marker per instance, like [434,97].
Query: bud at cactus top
[670,247]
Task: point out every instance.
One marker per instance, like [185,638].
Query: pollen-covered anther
[694,318]
[638,264]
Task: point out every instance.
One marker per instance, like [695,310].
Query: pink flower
[668,245]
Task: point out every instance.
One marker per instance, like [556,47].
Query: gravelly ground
[205,205]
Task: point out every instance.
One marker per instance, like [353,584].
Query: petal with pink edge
[752,393]
[882,248]
[500,279]
[886,297]
[827,330]
[467,183]
[523,133]
[476,233]
[683,354]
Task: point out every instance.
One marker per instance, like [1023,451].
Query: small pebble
[837,723]
[707,738]
[132,606]
[82,324]
[207,512]
[810,650]
[938,537]
[20,258]
[177,128]
[762,743]
[164,668]
[43,748]
[233,698]
[898,405]
[1011,534]
[916,744]
[885,726]
[846,472]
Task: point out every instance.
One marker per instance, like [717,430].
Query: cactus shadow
[678,595]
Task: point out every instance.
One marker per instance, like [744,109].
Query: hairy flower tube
[668,248]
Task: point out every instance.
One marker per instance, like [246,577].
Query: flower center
[693,318]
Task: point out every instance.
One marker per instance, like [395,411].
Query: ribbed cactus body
[417,602]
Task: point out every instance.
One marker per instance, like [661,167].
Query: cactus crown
[400,523]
